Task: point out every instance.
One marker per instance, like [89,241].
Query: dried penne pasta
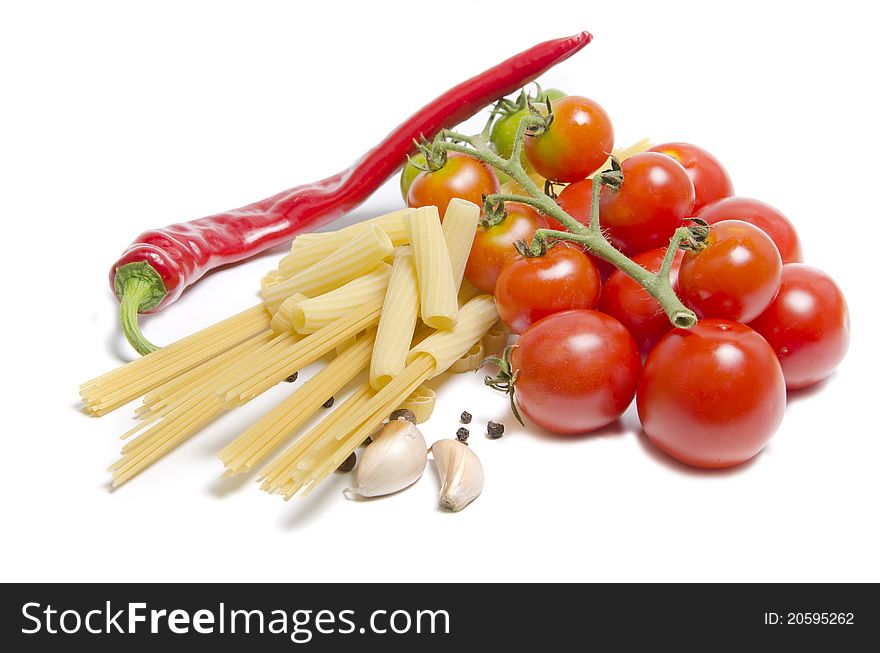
[496,339]
[421,403]
[282,321]
[308,249]
[271,278]
[309,315]
[349,261]
[447,346]
[459,227]
[470,361]
[398,321]
[438,305]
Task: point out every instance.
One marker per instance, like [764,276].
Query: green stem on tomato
[656,285]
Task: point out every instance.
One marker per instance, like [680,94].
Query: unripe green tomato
[552,93]
[504,133]
[410,172]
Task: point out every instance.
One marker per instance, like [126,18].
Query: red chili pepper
[161,263]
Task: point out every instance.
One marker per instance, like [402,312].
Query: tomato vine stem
[659,285]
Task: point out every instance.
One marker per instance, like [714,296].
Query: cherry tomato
[735,277]
[625,300]
[493,246]
[764,216]
[504,133]
[529,289]
[577,371]
[710,179]
[711,396]
[462,176]
[807,325]
[410,172]
[577,142]
[576,200]
[656,196]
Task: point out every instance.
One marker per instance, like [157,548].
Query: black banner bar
[427,617]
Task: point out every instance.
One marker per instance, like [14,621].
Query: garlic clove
[461,474]
[394,460]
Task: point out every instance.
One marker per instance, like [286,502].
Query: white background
[117,117]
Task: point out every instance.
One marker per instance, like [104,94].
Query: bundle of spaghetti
[327,445]
[237,381]
[256,443]
[274,367]
[120,386]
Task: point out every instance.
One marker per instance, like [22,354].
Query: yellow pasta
[398,320]
[308,249]
[496,339]
[447,346]
[309,315]
[470,361]
[438,304]
[120,386]
[271,278]
[349,261]
[282,321]
[421,403]
[459,227]
[252,446]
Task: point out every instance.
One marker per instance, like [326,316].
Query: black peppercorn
[462,435]
[405,413]
[348,464]
[494,430]
[328,403]
[465,418]
[292,377]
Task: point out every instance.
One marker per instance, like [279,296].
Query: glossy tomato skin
[493,246]
[578,371]
[710,179]
[769,220]
[735,277]
[576,143]
[576,200]
[410,172]
[529,289]
[713,395]
[462,176]
[656,196]
[625,300]
[504,133]
[807,325]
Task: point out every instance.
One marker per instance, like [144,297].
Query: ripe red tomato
[462,176]
[578,371]
[529,289]
[576,143]
[764,216]
[656,196]
[807,325]
[735,277]
[493,246]
[626,301]
[710,179]
[711,396]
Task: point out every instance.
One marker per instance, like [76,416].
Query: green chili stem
[134,292]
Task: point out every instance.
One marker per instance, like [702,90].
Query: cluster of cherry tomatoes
[711,396]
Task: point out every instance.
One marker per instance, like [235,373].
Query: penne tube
[470,361]
[309,315]
[459,227]
[308,249]
[496,339]
[398,321]
[349,261]
[271,278]
[421,402]
[447,346]
[438,304]
[282,321]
